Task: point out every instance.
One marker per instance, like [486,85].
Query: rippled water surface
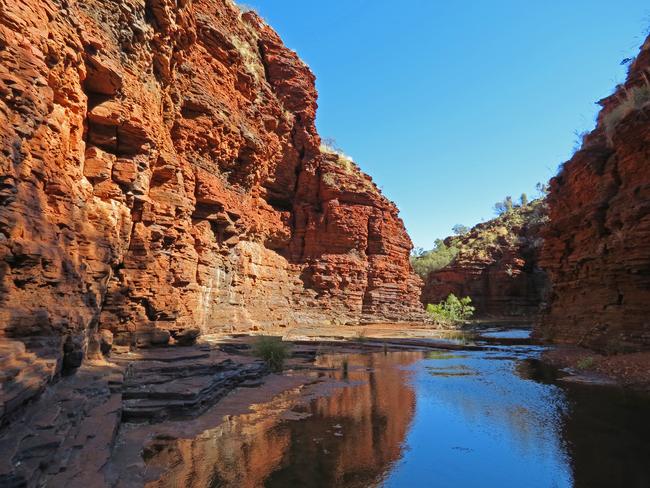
[490,418]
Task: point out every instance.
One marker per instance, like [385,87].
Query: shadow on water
[447,419]
[605,430]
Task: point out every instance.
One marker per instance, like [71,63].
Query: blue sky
[450,106]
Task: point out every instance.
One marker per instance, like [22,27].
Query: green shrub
[452,309]
[460,229]
[586,363]
[437,258]
[504,206]
[273,351]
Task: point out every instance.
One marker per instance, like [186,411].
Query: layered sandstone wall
[496,266]
[597,246]
[162,176]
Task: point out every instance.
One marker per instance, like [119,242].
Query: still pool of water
[491,418]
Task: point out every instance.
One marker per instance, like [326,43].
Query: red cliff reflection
[348,438]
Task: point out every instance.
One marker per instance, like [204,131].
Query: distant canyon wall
[597,245]
[497,266]
[161,175]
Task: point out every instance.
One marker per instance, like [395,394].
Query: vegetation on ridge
[358,181]
[475,243]
[636,98]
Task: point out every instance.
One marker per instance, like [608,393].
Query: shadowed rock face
[497,266]
[597,246]
[162,176]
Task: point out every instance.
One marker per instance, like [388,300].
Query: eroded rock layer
[597,246]
[162,176]
[497,266]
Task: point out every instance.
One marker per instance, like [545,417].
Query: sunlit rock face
[161,172]
[497,266]
[597,246]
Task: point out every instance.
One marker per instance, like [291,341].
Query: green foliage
[452,309]
[424,262]
[503,206]
[515,227]
[460,229]
[586,363]
[542,190]
[273,351]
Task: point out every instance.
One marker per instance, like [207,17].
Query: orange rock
[497,266]
[161,173]
[597,247]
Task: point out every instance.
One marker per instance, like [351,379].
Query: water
[507,333]
[492,418]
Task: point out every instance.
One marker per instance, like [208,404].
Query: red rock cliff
[496,266]
[597,246]
[161,172]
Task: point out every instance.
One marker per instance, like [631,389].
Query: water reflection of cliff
[607,434]
[350,439]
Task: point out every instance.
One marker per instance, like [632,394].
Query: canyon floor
[209,414]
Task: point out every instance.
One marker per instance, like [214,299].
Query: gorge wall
[161,176]
[597,245]
[497,266]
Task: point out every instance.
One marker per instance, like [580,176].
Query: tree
[452,310]
[503,206]
[542,189]
[460,229]
[424,262]
[417,252]
[508,202]
[524,200]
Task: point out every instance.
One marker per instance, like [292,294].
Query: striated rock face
[597,247]
[162,176]
[496,266]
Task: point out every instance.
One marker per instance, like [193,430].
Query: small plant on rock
[273,350]
[452,310]
[635,98]
[360,336]
[586,363]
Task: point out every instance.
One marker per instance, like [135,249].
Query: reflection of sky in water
[507,334]
[478,424]
[414,419]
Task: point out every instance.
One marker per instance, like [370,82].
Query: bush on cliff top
[479,241]
[425,262]
[273,351]
[244,8]
[636,98]
[452,310]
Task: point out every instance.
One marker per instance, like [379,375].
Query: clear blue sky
[451,105]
